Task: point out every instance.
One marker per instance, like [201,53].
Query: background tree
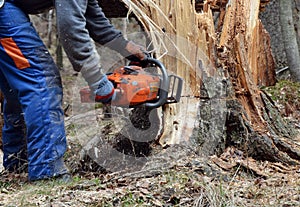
[290,37]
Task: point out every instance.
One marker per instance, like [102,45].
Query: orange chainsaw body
[134,86]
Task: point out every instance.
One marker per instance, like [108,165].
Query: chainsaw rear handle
[164,85]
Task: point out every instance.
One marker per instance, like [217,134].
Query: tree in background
[290,37]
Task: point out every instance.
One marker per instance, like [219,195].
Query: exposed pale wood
[181,49]
[179,123]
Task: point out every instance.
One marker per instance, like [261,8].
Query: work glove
[137,54]
[105,92]
[101,88]
[128,49]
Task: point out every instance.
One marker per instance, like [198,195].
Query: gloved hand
[105,92]
[138,54]
[136,50]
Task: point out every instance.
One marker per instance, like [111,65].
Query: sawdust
[178,177]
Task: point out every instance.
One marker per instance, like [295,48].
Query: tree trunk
[270,19]
[224,56]
[296,19]
[290,38]
[49,28]
[59,55]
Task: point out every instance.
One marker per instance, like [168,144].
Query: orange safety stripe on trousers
[12,49]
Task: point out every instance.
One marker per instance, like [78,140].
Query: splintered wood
[184,40]
[241,23]
[249,46]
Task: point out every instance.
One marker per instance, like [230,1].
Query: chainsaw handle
[164,86]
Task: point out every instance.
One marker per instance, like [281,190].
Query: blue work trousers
[33,131]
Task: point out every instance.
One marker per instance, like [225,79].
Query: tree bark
[296,19]
[49,28]
[290,38]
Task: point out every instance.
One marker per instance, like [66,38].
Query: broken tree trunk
[250,65]
[224,56]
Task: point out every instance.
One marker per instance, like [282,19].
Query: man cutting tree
[33,132]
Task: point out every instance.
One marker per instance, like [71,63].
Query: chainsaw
[150,86]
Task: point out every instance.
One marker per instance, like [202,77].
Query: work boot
[64,178]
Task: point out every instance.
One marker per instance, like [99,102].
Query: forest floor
[176,176]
